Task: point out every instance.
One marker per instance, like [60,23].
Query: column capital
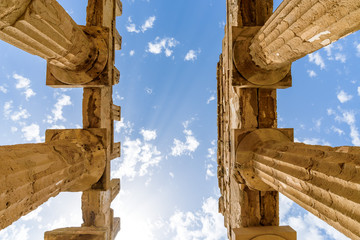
[245,143]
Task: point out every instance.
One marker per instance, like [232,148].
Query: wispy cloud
[162,44]
[317,59]
[148,91]
[306,224]
[344,97]
[31,132]
[206,223]
[349,118]
[57,111]
[211,98]
[3,89]
[191,55]
[125,127]
[337,130]
[148,24]
[24,84]
[185,147]
[137,159]
[211,161]
[313,141]
[15,233]
[311,73]
[131,27]
[21,113]
[148,135]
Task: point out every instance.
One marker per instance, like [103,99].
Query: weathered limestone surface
[300,27]
[32,173]
[242,108]
[70,160]
[323,180]
[264,233]
[83,233]
[43,28]
[255,61]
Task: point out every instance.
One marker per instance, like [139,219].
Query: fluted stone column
[32,173]
[300,27]
[323,180]
[44,28]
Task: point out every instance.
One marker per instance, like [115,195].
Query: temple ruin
[257,160]
[71,160]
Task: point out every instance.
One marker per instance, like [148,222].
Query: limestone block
[96,208]
[116,112]
[264,233]
[77,233]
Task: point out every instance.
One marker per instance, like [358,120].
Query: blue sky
[167,92]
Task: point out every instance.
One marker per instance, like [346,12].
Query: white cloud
[149,23]
[132,52]
[328,50]
[8,108]
[24,83]
[31,132]
[358,50]
[311,73]
[188,146]
[286,205]
[191,55]
[3,89]
[58,127]
[171,174]
[33,215]
[148,135]
[313,141]
[211,160]
[21,114]
[15,115]
[13,129]
[131,27]
[206,223]
[340,57]
[211,98]
[123,126]
[337,130]
[330,111]
[14,232]
[137,158]
[358,90]
[148,91]
[57,111]
[317,59]
[29,93]
[164,44]
[349,118]
[307,226]
[344,97]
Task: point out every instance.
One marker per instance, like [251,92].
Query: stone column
[44,28]
[32,173]
[323,180]
[300,27]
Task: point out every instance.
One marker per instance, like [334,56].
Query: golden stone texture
[72,159]
[255,159]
